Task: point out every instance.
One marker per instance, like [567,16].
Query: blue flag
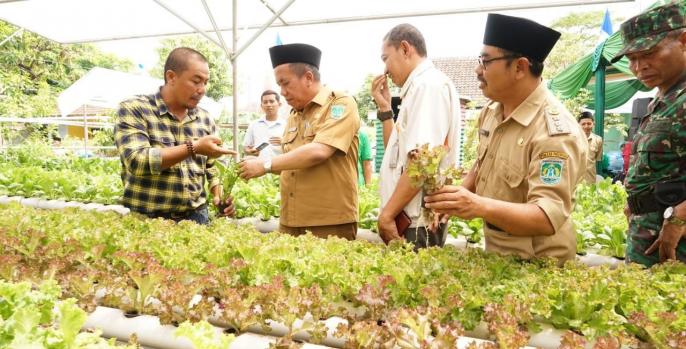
[278,40]
[607,23]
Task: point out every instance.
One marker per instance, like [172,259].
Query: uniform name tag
[553,154]
[483,132]
[292,129]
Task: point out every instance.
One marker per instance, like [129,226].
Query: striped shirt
[144,125]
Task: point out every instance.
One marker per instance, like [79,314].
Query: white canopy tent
[626,108]
[106,88]
[75,21]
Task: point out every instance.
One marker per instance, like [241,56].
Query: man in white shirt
[267,130]
[429,113]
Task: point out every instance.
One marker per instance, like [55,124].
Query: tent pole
[600,105]
[234,78]
[19,31]
[183,19]
[263,28]
[214,26]
[85,130]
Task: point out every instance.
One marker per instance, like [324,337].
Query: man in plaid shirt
[167,145]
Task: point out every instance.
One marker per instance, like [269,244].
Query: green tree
[580,35]
[577,104]
[34,70]
[364,99]
[220,72]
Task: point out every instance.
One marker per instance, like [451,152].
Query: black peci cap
[295,53]
[520,35]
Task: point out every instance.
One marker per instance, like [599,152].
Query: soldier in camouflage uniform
[655,44]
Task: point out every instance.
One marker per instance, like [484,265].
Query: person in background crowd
[364,160]
[266,132]
[655,44]
[595,145]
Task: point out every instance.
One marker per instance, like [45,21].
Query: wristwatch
[267,166]
[671,218]
[384,115]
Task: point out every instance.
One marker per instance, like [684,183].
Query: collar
[527,110]
[321,97]
[277,121]
[671,94]
[163,109]
[677,89]
[425,65]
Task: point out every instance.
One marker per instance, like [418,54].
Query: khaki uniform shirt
[536,156]
[595,153]
[325,194]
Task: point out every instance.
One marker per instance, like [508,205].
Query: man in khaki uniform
[318,166]
[531,152]
[595,145]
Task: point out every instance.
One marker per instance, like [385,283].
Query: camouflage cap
[644,31]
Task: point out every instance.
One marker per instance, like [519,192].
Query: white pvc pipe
[151,333]
[267,226]
[366,234]
[147,328]
[594,260]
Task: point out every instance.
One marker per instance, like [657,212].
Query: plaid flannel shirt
[144,126]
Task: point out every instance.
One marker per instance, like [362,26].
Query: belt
[644,203]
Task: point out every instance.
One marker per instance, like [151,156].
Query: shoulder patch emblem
[337,111]
[553,154]
[551,171]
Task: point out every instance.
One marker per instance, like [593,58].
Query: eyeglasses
[484,62]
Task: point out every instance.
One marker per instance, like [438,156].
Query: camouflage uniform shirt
[658,155]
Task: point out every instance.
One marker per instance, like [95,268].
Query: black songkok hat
[295,53]
[520,35]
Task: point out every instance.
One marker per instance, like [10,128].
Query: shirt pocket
[656,152]
[309,135]
[511,184]
[512,176]
[593,146]
[289,139]
[654,148]
[162,142]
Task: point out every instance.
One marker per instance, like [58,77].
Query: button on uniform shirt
[535,156]
[144,126]
[429,113]
[595,153]
[259,131]
[324,194]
